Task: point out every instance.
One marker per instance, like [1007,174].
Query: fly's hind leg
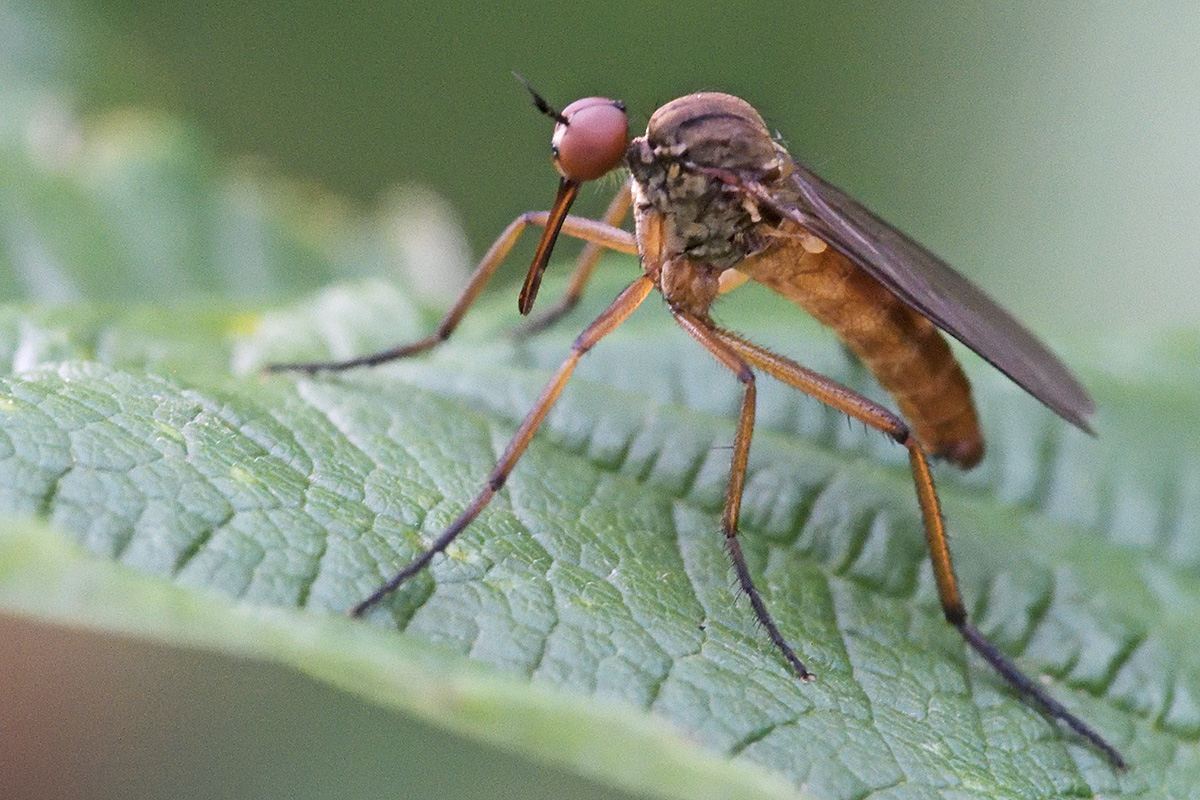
[860,408]
[597,234]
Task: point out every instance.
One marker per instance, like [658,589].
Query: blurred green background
[1050,151]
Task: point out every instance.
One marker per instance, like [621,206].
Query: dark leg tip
[276,369]
[360,609]
[1037,696]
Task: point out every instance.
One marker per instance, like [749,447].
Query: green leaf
[589,617]
[595,589]
[42,576]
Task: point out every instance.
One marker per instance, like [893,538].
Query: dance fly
[716,202]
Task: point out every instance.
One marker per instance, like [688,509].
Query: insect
[717,201]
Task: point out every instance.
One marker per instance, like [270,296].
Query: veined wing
[931,287]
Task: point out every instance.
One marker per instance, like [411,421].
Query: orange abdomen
[903,349]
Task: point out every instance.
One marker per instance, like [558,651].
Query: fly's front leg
[860,408]
[613,316]
[597,234]
[614,216]
[703,332]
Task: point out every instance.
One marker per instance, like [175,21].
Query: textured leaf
[589,617]
[599,571]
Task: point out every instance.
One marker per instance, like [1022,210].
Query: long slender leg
[597,234]
[604,324]
[860,408]
[703,332]
[614,216]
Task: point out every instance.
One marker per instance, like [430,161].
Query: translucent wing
[928,285]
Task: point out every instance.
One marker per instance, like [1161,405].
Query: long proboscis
[567,191]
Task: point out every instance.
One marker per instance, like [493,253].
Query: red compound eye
[589,140]
[593,139]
